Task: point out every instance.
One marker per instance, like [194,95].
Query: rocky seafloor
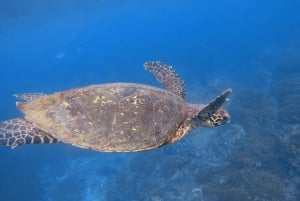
[254,158]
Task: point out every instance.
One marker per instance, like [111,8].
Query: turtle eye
[218,120]
[221,117]
[225,119]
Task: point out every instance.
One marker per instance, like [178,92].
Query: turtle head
[218,118]
[212,114]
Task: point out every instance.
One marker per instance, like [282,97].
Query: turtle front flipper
[166,76]
[212,114]
[16,132]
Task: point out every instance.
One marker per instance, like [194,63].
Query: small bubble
[258,164]
[60,55]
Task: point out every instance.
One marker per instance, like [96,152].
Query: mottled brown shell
[109,117]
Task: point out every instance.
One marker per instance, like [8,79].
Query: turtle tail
[16,132]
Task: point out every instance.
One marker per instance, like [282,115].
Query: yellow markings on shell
[161,111]
[135,100]
[116,89]
[134,128]
[81,139]
[141,101]
[65,104]
[96,100]
[105,100]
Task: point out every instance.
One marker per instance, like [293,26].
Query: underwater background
[251,46]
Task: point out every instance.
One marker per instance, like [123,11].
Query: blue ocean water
[252,47]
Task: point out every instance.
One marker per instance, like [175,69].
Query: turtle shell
[119,117]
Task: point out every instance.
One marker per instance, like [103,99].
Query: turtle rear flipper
[166,76]
[16,132]
[212,114]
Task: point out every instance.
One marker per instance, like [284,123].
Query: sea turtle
[116,117]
